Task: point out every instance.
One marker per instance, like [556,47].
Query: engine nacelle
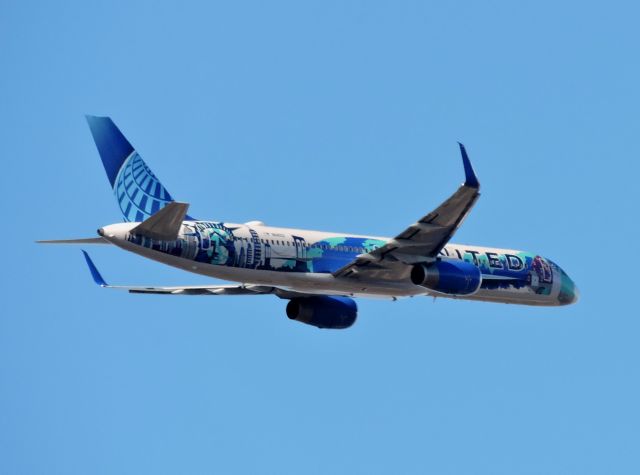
[449,277]
[323,311]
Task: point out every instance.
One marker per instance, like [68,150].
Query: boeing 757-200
[319,273]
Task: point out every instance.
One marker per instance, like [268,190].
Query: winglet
[97,278]
[471,180]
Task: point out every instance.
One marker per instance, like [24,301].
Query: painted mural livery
[242,246]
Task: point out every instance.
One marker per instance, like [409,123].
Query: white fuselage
[270,254]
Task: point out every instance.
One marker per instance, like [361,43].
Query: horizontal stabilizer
[97,240]
[165,224]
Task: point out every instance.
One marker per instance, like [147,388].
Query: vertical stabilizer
[139,193]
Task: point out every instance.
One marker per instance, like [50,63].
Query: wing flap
[200,290]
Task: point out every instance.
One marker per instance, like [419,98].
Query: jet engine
[449,277]
[323,311]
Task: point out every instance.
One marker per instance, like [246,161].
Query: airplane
[319,273]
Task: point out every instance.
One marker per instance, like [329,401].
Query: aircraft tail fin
[139,193]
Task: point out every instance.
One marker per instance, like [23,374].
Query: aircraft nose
[569,293]
[576,294]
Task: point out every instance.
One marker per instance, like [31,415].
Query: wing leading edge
[245,289]
[424,239]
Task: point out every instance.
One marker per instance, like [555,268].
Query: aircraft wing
[245,289]
[424,239]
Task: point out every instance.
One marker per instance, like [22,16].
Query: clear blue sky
[338,116]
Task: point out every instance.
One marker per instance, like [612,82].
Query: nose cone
[568,291]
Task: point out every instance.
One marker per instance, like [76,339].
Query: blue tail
[139,193]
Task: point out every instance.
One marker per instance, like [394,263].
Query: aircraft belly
[324,283]
[321,283]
